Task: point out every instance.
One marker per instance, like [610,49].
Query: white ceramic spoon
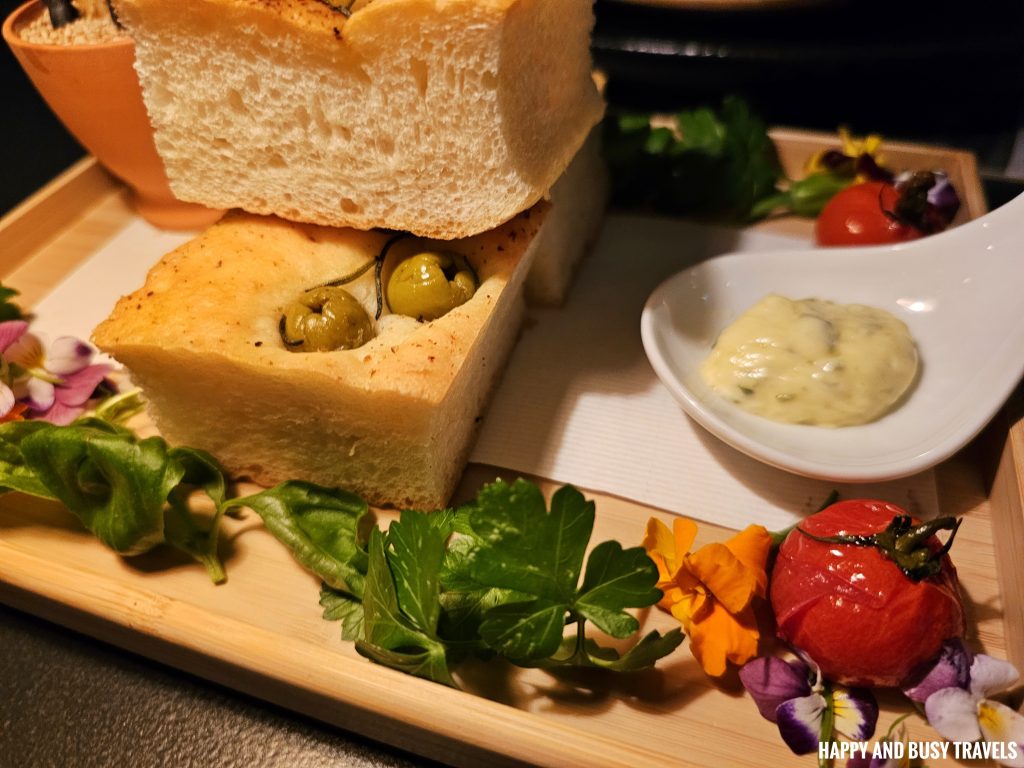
[961,293]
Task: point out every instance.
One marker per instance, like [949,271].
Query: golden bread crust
[223,293]
[392,420]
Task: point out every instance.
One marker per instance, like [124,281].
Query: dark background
[948,73]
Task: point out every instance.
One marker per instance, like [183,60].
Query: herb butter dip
[813,362]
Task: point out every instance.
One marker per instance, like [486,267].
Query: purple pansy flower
[952,669]
[963,711]
[793,695]
[943,197]
[940,200]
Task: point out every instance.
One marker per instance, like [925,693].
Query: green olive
[427,285]
[325,319]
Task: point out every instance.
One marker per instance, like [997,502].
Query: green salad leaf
[320,527]
[400,604]
[710,163]
[85,468]
[500,576]
[339,606]
[131,493]
[8,309]
[202,472]
[15,472]
[524,547]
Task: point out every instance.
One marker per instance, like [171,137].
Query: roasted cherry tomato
[863,214]
[851,608]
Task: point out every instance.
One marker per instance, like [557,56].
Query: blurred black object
[34,147]
[929,70]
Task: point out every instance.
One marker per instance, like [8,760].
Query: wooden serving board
[261,632]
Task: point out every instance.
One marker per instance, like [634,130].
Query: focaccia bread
[578,202]
[439,117]
[391,420]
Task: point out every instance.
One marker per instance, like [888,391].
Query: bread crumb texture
[392,420]
[93,26]
[440,117]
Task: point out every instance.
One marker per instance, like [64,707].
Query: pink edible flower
[10,332]
[57,385]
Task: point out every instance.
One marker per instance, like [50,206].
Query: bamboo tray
[261,633]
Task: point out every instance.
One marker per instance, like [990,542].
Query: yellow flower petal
[683,611]
[671,593]
[751,547]
[850,148]
[814,163]
[664,574]
[722,638]
[724,575]
[692,608]
[658,538]
[684,532]
[668,548]
[709,591]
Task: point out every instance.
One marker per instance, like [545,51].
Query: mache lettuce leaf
[319,526]
[131,493]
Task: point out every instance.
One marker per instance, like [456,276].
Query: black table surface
[68,700]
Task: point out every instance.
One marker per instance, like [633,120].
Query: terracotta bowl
[95,92]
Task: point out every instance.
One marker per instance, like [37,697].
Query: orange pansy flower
[711,590]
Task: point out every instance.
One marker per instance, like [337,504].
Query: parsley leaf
[524,548]
[539,554]
[404,637]
[339,606]
[416,551]
[616,579]
[652,646]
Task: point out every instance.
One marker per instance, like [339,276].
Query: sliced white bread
[439,117]
[578,202]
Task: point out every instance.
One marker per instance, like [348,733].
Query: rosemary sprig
[344,10]
[377,262]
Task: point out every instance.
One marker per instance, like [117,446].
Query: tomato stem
[904,543]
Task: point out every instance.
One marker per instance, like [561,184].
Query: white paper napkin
[579,403]
[88,294]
